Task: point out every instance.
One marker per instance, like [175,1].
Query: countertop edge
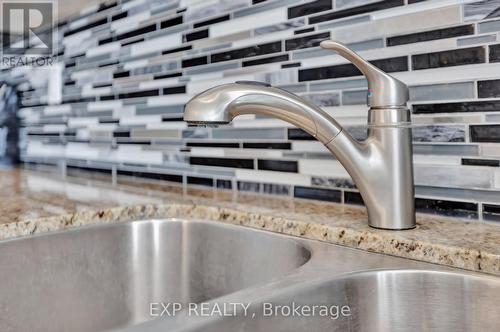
[453,256]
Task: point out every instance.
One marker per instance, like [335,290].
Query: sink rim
[116,223]
[75,229]
[454,272]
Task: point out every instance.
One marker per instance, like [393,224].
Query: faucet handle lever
[383,90]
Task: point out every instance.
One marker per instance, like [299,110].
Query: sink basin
[104,277]
[388,300]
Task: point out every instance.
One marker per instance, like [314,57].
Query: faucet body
[381,166]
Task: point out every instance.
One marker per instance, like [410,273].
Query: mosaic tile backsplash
[128,67]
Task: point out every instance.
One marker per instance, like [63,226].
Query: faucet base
[393,229]
[382,168]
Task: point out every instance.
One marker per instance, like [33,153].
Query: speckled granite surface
[36,202]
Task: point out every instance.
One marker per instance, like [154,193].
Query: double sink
[186,275]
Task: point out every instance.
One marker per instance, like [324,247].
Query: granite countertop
[34,202]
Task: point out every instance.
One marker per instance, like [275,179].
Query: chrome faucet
[381,166]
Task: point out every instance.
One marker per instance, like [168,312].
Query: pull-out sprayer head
[213,106]
[221,104]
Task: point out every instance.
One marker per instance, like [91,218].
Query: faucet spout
[223,103]
[381,166]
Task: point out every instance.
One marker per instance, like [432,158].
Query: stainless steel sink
[105,277]
[389,300]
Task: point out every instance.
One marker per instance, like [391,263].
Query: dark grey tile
[388,65]
[417,37]
[213,144]
[136,32]
[278,146]
[460,107]
[309,8]
[119,16]
[290,65]
[214,20]
[480,162]
[485,133]
[495,53]
[121,74]
[278,165]
[171,22]
[76,170]
[174,90]
[333,15]
[354,198]
[459,57]
[121,133]
[304,30]
[137,94]
[488,89]
[201,181]
[222,162]
[491,212]
[200,34]
[152,175]
[328,195]
[299,135]
[447,208]
[246,52]
[202,60]
[261,61]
